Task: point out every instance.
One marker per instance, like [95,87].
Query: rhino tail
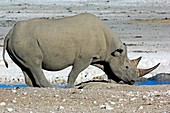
[5,46]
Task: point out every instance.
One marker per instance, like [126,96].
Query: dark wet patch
[140,51]
[155,20]
[134,44]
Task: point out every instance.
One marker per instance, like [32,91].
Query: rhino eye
[127,67]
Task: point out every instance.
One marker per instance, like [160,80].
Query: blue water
[24,86]
[13,86]
[151,82]
[148,82]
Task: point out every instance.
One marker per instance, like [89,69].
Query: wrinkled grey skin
[79,41]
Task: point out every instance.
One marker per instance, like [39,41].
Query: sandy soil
[143,27]
[94,97]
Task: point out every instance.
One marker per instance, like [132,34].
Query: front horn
[135,62]
[143,72]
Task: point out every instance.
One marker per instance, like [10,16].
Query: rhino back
[63,41]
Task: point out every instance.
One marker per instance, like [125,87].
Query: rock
[10,109]
[56,95]
[120,100]
[2,104]
[141,79]
[25,93]
[113,103]
[14,101]
[60,108]
[14,91]
[141,107]
[95,102]
[161,77]
[106,106]
[132,99]
[103,106]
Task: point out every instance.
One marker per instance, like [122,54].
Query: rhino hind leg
[32,68]
[78,66]
[40,77]
[28,81]
[34,75]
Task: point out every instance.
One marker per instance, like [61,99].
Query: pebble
[113,96]
[120,99]
[141,107]
[132,99]
[103,106]
[144,96]
[106,106]
[14,91]
[168,92]
[164,112]
[56,95]
[2,104]
[25,93]
[113,103]
[94,102]
[14,101]
[60,108]
[151,99]
[162,101]
[10,109]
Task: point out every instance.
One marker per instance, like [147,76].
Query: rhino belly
[58,60]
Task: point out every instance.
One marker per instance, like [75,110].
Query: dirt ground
[145,30]
[93,98]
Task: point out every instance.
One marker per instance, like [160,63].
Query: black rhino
[80,41]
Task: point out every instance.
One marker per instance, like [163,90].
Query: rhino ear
[117,52]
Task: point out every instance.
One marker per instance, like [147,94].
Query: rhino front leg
[106,68]
[78,66]
[111,76]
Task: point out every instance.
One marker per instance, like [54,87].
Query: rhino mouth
[131,82]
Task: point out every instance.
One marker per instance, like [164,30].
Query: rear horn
[135,62]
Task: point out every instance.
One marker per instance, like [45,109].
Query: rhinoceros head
[125,69]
